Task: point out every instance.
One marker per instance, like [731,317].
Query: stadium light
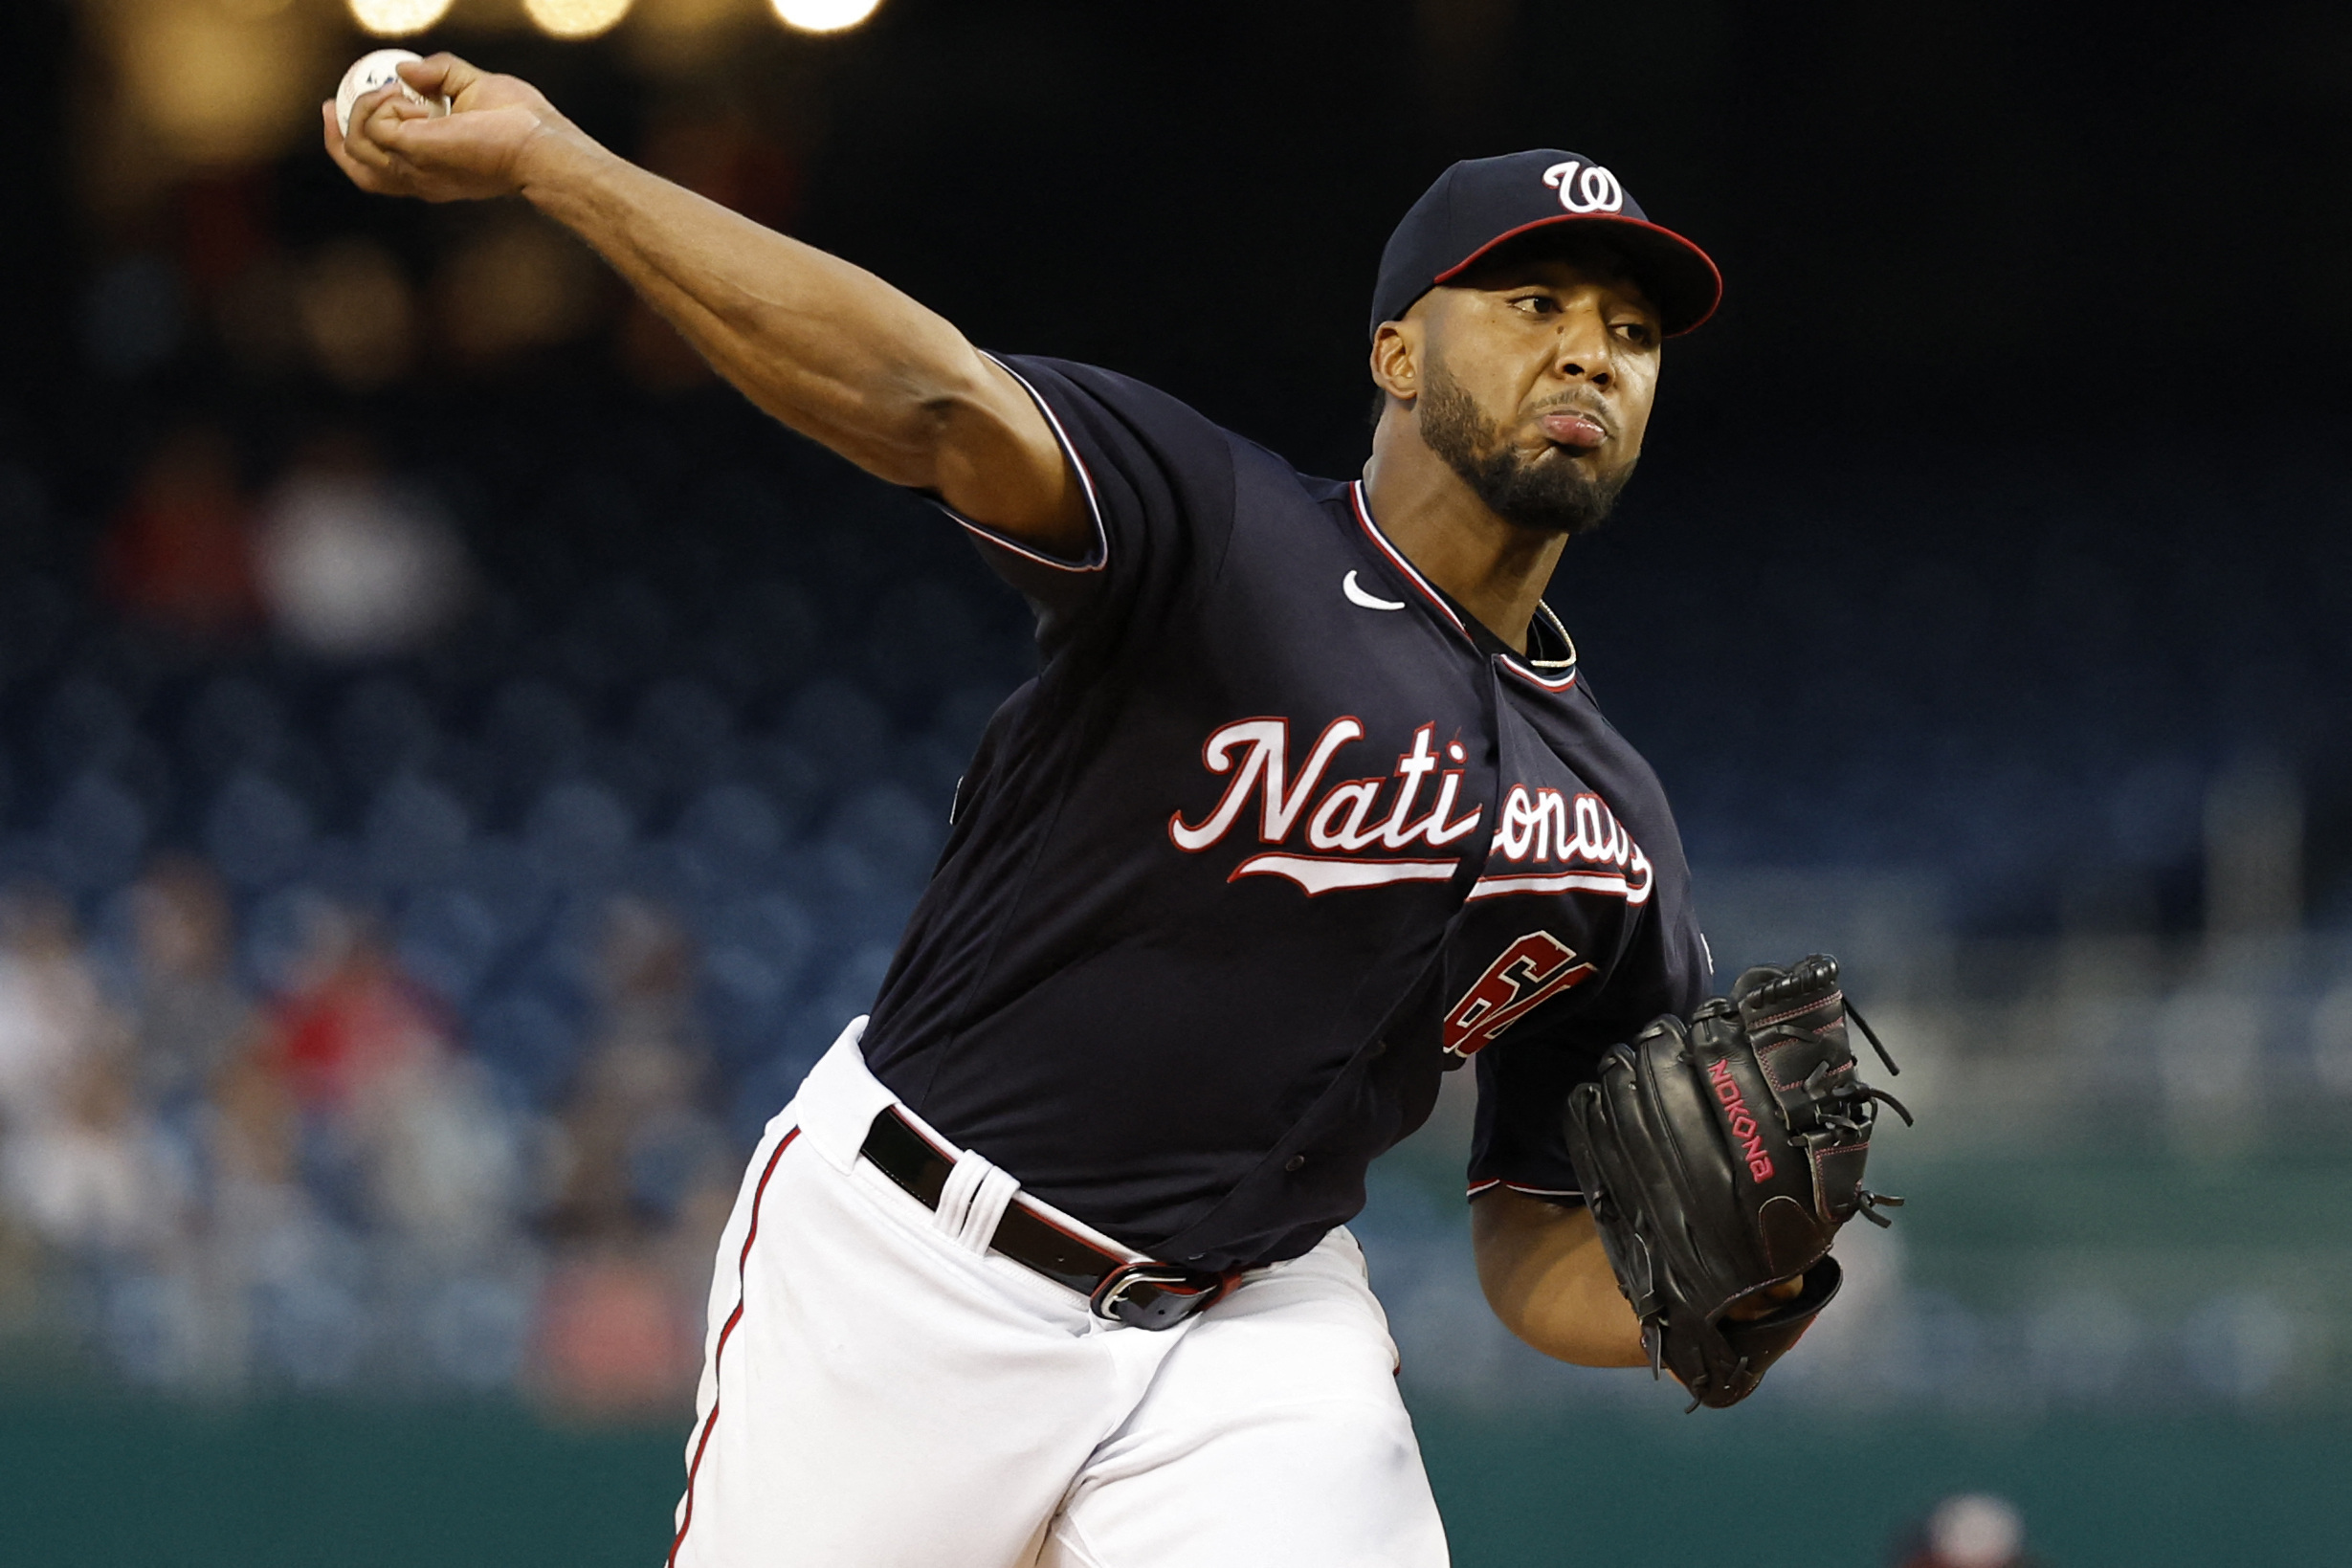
[397,18]
[575,19]
[823,16]
[217,86]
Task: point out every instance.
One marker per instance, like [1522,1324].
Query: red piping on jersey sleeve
[710,1422]
[1099,556]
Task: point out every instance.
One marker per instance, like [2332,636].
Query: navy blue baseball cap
[1480,203]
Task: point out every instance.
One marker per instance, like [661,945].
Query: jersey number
[1531,971]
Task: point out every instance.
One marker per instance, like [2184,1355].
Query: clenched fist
[478,150]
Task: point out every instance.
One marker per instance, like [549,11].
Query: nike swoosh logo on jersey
[1356,595]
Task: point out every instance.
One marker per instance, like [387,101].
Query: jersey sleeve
[1158,485]
[1520,1139]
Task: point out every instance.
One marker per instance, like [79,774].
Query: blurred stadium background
[458,764]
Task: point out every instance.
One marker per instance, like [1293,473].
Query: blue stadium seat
[580,833]
[417,833]
[256,830]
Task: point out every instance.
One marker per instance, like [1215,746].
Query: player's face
[1538,377]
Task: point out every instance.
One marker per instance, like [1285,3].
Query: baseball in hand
[379,70]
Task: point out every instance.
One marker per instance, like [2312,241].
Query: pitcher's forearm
[821,344]
[1546,1277]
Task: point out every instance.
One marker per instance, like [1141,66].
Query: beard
[1540,491]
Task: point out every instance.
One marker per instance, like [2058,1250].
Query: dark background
[2003,226]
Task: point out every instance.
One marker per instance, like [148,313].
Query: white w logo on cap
[1595,190]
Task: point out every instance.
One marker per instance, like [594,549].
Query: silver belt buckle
[1155,1295]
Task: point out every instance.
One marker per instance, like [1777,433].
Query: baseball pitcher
[1309,805]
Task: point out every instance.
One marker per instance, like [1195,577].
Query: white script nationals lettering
[1545,829]
[1347,822]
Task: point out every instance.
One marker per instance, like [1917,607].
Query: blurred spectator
[1974,1530]
[180,553]
[52,1015]
[261,1224]
[96,1177]
[615,1337]
[642,1180]
[396,1124]
[444,1165]
[635,1142]
[352,1019]
[351,566]
[84,1166]
[189,1018]
[255,1128]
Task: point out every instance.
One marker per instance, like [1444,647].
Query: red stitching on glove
[1837,996]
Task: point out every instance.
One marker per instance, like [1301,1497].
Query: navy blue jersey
[1277,835]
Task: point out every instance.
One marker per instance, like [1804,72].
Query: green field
[121,1482]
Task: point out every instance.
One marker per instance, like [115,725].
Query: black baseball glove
[1719,1157]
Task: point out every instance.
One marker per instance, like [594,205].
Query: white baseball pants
[879,1391]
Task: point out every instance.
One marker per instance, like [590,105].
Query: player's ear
[1396,359]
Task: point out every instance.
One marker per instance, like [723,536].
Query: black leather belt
[1143,1296]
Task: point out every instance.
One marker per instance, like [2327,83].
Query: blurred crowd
[458,766]
[320,1183]
[401,941]
[435,833]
